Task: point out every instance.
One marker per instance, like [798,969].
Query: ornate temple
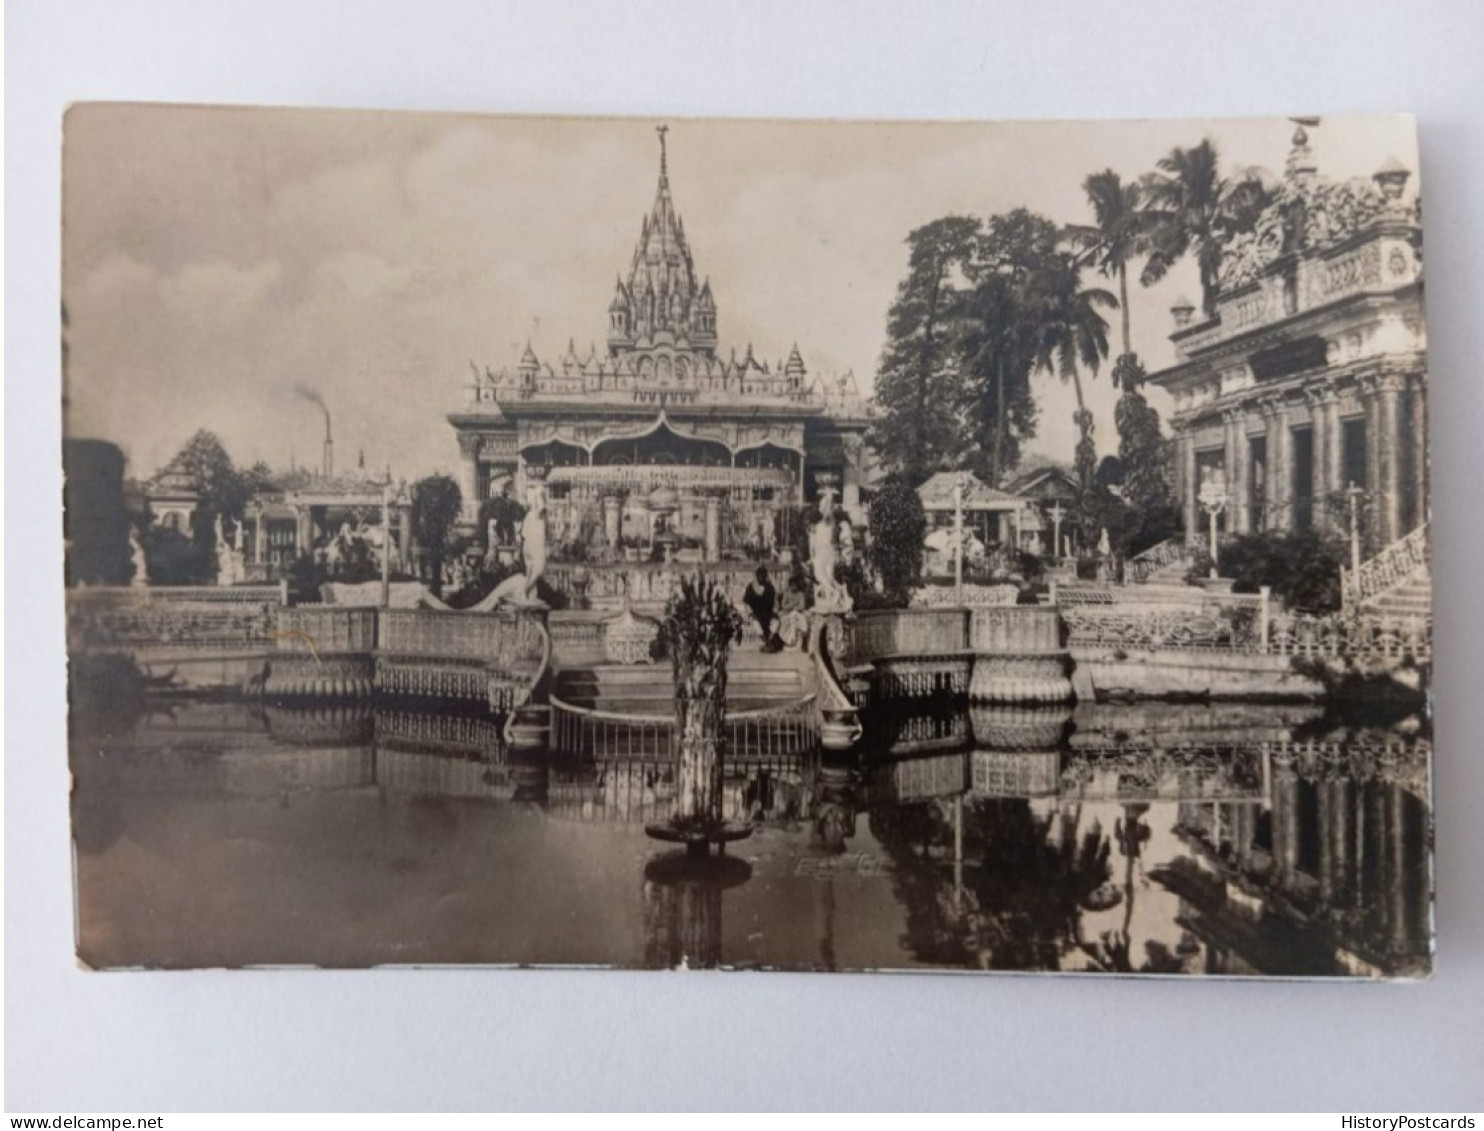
[1303,394]
[659,445]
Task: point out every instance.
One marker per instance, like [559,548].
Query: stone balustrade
[195,617]
[322,630]
[881,633]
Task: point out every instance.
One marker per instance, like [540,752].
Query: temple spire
[662,130]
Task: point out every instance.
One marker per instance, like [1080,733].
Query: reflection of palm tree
[1022,886]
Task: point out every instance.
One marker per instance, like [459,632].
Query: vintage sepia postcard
[768,545]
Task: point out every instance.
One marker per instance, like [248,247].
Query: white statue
[533,538]
[828,595]
[226,562]
[136,554]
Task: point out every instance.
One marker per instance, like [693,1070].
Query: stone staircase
[1170,574]
[1410,600]
[755,680]
[1397,582]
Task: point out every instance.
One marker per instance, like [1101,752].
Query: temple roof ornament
[662,343]
[1308,213]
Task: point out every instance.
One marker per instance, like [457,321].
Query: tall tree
[1192,209]
[916,382]
[998,337]
[436,502]
[1118,236]
[1143,454]
[1072,336]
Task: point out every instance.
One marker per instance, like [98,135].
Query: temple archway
[661,446]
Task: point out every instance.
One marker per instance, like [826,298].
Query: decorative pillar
[1280,469]
[1323,411]
[1419,449]
[1236,481]
[1189,483]
[1339,842]
[1370,402]
[1396,870]
[1285,826]
[404,536]
[713,528]
[259,536]
[1325,820]
[468,475]
[303,529]
[612,520]
[1390,450]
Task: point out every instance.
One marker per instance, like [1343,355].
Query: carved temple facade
[658,442]
[1307,385]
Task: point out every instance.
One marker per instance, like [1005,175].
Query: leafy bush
[898,526]
[1302,569]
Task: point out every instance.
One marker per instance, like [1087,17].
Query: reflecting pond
[1152,838]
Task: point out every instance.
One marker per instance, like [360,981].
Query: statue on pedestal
[136,555]
[829,595]
[228,561]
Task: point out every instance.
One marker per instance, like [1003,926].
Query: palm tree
[1072,335]
[1193,209]
[1118,236]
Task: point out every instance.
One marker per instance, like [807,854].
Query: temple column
[1285,826]
[1319,511]
[1337,841]
[712,550]
[1189,482]
[468,475]
[404,536]
[1334,454]
[1280,469]
[1370,404]
[1419,450]
[612,520]
[1398,933]
[1389,452]
[1236,486]
[303,530]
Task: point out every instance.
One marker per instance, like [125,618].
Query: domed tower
[664,301]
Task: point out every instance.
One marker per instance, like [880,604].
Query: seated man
[793,624]
[760,599]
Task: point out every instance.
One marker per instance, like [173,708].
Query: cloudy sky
[215,259]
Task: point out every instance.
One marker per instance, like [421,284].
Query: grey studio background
[480,1039]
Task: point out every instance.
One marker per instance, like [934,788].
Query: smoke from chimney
[314,397]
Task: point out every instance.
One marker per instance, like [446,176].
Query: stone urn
[839,730]
[529,729]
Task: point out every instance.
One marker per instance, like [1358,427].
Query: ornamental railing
[653,583]
[505,640]
[968,595]
[910,632]
[1149,628]
[318,630]
[1364,639]
[183,616]
[1391,567]
[788,729]
[1243,628]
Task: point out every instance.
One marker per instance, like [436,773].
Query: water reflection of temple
[1150,839]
